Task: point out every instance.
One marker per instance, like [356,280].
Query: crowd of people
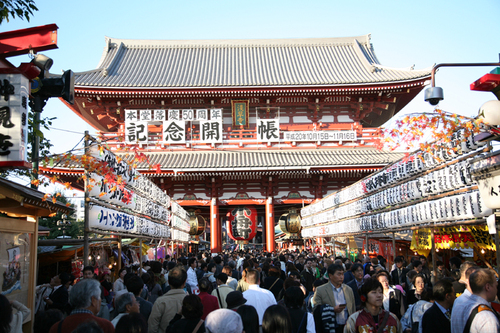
[256,291]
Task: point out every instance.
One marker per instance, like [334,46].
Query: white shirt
[387,298]
[338,293]
[191,278]
[260,299]
[311,327]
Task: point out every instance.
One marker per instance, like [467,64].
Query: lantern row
[452,208]
[449,178]
[144,198]
[395,173]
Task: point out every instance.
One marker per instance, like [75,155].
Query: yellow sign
[456,237]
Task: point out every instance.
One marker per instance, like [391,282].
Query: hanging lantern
[196,223]
[290,223]
[242,224]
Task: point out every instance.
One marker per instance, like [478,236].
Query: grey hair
[123,301]
[81,294]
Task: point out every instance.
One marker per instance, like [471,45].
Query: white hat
[224,321]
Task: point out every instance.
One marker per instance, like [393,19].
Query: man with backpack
[477,315]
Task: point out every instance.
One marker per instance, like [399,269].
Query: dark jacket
[355,291]
[60,298]
[145,307]
[178,325]
[434,320]
[348,277]
[396,278]
[411,298]
[397,303]
[276,287]
[309,279]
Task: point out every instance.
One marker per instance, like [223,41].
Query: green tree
[22,9]
[74,229]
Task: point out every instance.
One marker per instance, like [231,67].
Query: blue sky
[404,33]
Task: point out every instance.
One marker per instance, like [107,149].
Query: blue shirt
[485,321]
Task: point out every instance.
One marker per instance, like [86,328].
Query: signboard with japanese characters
[102,218]
[210,131]
[268,130]
[136,132]
[14,98]
[174,131]
[144,198]
[320,136]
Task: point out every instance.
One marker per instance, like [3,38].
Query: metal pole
[86,224]
[497,240]
[36,104]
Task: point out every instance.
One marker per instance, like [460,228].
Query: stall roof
[17,200]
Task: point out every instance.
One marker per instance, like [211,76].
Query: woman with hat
[372,317]
[234,300]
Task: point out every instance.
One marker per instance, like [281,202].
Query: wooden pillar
[215,227]
[156,250]
[366,245]
[270,241]
[433,251]
[140,256]
[393,247]
[334,250]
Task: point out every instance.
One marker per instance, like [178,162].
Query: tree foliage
[74,229]
[22,9]
[431,132]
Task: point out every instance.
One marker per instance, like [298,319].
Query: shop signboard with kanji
[14,99]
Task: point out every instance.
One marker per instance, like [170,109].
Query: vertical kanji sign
[268,130]
[14,98]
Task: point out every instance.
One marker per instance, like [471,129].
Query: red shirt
[210,303]
[71,322]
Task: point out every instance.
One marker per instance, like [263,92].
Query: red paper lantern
[242,223]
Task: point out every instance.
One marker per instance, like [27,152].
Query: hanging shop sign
[242,223]
[320,136]
[14,98]
[456,237]
[486,172]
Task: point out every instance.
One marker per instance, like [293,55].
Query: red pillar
[215,227]
[270,240]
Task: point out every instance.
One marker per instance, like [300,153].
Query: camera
[433,95]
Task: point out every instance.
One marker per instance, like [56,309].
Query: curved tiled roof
[199,161]
[241,63]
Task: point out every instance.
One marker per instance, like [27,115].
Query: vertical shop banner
[14,89]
